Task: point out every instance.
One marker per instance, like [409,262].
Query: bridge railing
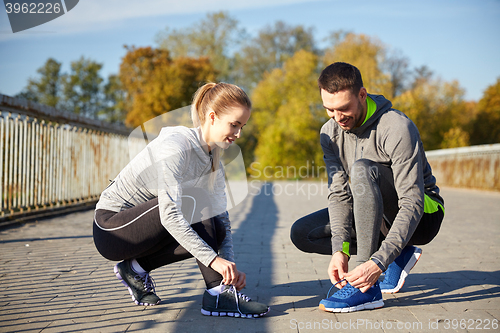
[52,160]
[470,167]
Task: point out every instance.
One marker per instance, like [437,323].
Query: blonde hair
[219,98]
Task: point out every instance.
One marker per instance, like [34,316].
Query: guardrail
[52,160]
[471,167]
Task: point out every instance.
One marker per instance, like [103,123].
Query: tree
[486,126]
[46,88]
[82,88]
[397,65]
[214,37]
[273,46]
[155,83]
[114,101]
[368,55]
[438,110]
[288,116]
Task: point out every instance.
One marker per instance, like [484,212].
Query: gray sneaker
[233,304]
[140,286]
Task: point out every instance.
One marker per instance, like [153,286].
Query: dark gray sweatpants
[374,197]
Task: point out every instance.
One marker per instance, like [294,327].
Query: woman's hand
[230,275]
[242,281]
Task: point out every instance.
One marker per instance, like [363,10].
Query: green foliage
[114,101]
[438,110]
[213,37]
[279,66]
[287,115]
[368,54]
[455,137]
[486,125]
[82,91]
[82,87]
[46,88]
[273,46]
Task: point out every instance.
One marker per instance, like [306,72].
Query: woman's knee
[220,230]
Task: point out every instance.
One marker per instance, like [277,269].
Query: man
[382,196]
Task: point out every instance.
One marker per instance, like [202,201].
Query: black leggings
[146,240]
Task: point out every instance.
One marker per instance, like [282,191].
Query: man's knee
[298,233]
[364,169]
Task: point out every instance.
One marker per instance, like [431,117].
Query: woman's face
[226,128]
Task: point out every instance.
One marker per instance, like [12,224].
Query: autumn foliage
[278,67]
[156,83]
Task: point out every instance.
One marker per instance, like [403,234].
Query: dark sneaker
[233,304]
[350,299]
[140,286]
[399,269]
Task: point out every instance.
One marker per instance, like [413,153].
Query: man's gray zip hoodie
[388,137]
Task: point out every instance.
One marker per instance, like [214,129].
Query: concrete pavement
[53,279]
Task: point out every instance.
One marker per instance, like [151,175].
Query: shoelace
[336,283]
[236,294]
[147,280]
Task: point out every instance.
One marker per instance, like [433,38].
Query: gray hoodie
[388,137]
[174,161]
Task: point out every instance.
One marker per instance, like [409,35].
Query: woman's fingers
[231,273]
[227,269]
[242,281]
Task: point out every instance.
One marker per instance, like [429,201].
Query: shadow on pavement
[420,288]
[22,240]
[252,247]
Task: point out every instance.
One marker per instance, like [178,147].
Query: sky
[457,39]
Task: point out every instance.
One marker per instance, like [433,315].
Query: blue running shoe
[350,299]
[399,269]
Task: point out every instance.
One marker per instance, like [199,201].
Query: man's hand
[364,276]
[338,268]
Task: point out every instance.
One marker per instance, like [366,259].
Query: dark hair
[340,76]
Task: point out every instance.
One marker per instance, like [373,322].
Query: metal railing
[51,160]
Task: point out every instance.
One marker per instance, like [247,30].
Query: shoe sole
[232,314]
[364,306]
[406,271]
[117,273]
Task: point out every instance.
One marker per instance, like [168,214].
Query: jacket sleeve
[406,153]
[226,248]
[171,168]
[339,196]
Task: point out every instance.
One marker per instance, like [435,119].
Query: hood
[383,105]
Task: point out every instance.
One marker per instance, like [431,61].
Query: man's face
[346,108]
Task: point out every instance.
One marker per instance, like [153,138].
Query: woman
[168,204]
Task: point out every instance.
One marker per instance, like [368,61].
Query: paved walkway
[53,279]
